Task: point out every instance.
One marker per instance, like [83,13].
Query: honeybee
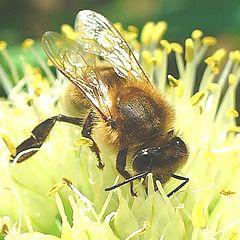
[122,106]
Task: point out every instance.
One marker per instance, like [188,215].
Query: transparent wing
[79,67]
[98,36]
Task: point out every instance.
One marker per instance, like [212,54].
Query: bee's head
[161,161]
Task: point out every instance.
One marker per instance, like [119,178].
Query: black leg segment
[87,132]
[39,134]
[184,179]
[121,165]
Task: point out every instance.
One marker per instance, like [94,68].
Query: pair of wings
[76,59]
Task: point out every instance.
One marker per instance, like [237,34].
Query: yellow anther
[129,36]
[3,45]
[197,34]
[68,31]
[4,230]
[146,34]
[55,188]
[9,144]
[166,45]
[29,101]
[197,97]
[232,113]
[227,193]
[232,79]
[132,28]
[27,43]
[198,216]
[189,50]
[118,26]
[67,181]
[82,141]
[234,129]
[37,91]
[145,227]
[212,87]
[214,65]
[159,30]
[219,55]
[209,41]
[216,60]
[173,81]
[49,62]
[209,61]
[235,56]
[176,47]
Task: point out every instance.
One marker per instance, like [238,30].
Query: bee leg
[184,179]
[39,134]
[86,132]
[121,165]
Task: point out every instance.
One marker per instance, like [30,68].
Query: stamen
[83,141]
[27,43]
[198,216]
[173,81]
[3,45]
[146,34]
[166,45]
[235,56]
[178,50]
[197,97]
[159,30]
[69,31]
[232,113]
[234,129]
[7,58]
[196,34]
[176,47]
[209,41]
[189,50]
[9,144]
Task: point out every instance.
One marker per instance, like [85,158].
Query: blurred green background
[31,18]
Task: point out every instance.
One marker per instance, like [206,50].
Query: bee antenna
[140,175]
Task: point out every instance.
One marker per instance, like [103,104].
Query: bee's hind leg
[39,134]
[87,132]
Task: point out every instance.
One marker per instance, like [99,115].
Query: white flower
[206,208]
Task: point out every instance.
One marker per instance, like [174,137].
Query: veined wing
[79,67]
[98,36]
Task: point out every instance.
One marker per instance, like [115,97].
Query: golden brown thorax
[143,117]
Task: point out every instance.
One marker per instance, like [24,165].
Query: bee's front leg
[87,132]
[39,134]
[121,165]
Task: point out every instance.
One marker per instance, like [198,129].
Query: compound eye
[142,161]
